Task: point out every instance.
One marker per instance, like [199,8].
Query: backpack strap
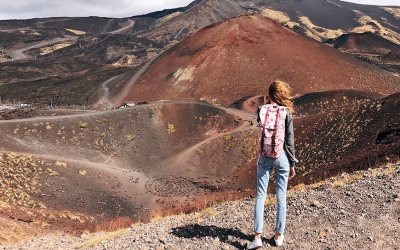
[287,151]
[275,128]
[263,130]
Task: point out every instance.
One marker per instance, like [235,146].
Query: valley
[135,119]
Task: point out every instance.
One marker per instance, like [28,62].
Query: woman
[278,95]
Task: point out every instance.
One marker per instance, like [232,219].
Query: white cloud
[375,2]
[24,9]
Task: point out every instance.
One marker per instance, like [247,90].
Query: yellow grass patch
[19,179]
[341,181]
[167,18]
[364,19]
[292,24]
[47,50]
[61,164]
[383,171]
[4,204]
[280,17]
[103,237]
[394,11]
[310,34]
[208,213]
[76,32]
[128,60]
[316,31]
[184,74]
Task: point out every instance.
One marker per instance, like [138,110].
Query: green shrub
[83,125]
[170,128]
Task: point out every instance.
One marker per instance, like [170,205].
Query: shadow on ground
[196,231]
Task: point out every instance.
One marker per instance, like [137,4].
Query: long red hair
[280,93]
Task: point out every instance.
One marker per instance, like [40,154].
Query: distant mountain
[239,57]
[319,19]
[43,54]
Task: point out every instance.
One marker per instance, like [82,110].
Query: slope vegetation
[105,170]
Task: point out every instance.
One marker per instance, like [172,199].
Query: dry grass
[61,164]
[126,60]
[19,179]
[167,18]
[348,178]
[109,230]
[384,171]
[364,21]
[312,31]
[48,50]
[184,74]
[280,17]
[115,224]
[103,237]
[394,11]
[316,31]
[76,32]
[207,213]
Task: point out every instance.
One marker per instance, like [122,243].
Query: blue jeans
[264,168]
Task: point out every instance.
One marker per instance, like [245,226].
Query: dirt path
[116,171]
[97,112]
[244,126]
[18,54]
[118,99]
[105,101]
[127,26]
[181,159]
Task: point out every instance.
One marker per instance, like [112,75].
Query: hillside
[80,171]
[76,161]
[98,170]
[319,19]
[40,55]
[363,42]
[238,57]
[369,47]
[338,213]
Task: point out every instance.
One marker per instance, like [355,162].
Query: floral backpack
[272,130]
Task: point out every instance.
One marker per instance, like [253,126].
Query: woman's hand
[292,173]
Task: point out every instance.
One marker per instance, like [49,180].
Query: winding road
[119,98]
[18,54]
[129,25]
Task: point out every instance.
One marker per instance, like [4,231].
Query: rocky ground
[352,211]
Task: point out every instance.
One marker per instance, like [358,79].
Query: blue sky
[25,9]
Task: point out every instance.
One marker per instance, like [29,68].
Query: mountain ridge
[237,57]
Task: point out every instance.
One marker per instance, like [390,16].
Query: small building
[127,105]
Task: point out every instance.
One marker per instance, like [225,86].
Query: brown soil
[73,171]
[363,42]
[172,157]
[239,57]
